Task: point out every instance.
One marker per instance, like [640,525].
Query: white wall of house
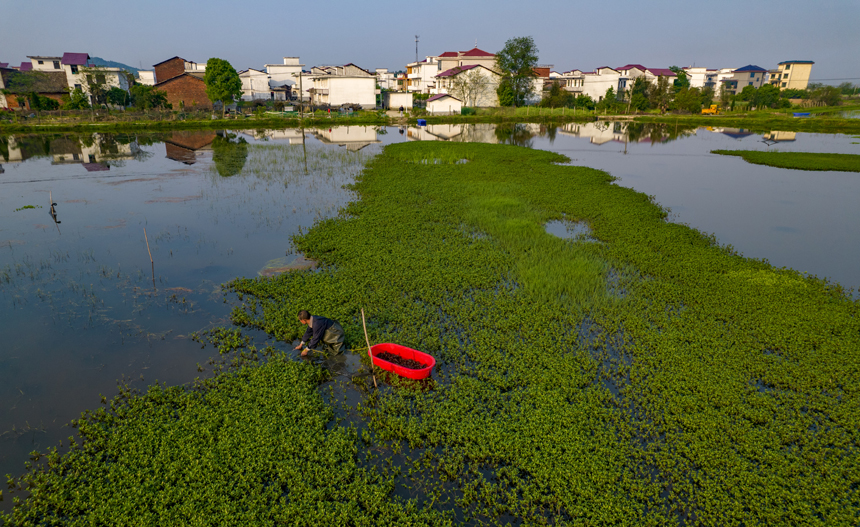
[488,99]
[595,84]
[255,85]
[385,79]
[337,90]
[395,99]
[422,75]
[47,63]
[147,78]
[446,105]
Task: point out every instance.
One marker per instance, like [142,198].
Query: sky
[569,35]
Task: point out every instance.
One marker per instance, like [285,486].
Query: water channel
[82,305]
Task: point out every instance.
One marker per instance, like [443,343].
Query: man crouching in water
[320,329]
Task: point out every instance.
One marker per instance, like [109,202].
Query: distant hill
[98,61]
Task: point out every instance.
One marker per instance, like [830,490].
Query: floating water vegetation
[25,207]
[656,378]
[798,160]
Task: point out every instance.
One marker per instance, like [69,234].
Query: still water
[81,304]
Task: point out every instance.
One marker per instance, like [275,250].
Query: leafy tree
[517,62]
[707,96]
[222,82]
[660,95]
[687,100]
[726,97]
[826,95]
[747,94]
[505,93]
[557,97]
[117,96]
[147,97]
[681,80]
[584,100]
[766,96]
[78,100]
[470,87]
[794,93]
[638,94]
[609,100]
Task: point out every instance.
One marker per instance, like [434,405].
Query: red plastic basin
[406,353]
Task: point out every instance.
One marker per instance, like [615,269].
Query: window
[785,75]
[74,69]
[41,62]
[56,64]
[752,75]
[100,79]
[77,86]
[749,84]
[788,66]
[783,84]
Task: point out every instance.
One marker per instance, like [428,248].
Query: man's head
[304,316]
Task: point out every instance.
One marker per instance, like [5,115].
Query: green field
[650,378]
[798,160]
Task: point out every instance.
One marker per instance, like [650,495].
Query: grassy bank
[798,160]
[762,122]
[650,378]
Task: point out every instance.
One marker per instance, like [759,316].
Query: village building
[182,82]
[791,75]
[395,100]
[740,78]
[475,94]
[16,85]
[444,104]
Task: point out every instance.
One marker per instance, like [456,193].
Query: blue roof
[751,68]
[797,62]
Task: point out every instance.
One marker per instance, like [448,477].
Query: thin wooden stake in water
[152,263]
[369,354]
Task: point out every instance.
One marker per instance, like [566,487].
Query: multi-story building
[182,81]
[791,75]
[421,75]
[740,78]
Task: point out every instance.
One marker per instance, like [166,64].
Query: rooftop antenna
[476,42]
[416,48]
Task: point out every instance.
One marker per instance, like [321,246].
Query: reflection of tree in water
[229,154]
[4,147]
[657,132]
[514,134]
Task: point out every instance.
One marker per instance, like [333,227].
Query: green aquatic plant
[716,390]
[25,207]
[798,160]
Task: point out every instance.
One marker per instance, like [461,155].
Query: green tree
[505,93]
[470,87]
[687,100]
[708,95]
[681,80]
[117,96]
[660,94]
[147,97]
[826,95]
[78,100]
[557,97]
[222,82]
[766,96]
[517,62]
[608,101]
[638,94]
[747,94]
[585,101]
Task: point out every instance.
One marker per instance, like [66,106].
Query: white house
[282,78]
[480,93]
[422,75]
[444,104]
[749,75]
[147,78]
[384,79]
[338,90]
[255,84]
[395,99]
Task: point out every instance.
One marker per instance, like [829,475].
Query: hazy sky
[584,35]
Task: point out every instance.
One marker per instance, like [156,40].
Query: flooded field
[83,305]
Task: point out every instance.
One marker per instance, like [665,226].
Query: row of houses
[450,80]
[54,77]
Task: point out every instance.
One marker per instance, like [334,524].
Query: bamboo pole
[369,354]
[151,262]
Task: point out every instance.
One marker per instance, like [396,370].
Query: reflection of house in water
[294,135]
[780,137]
[354,138]
[91,151]
[186,145]
[734,133]
[461,133]
[598,133]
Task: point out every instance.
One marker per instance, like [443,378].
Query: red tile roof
[662,72]
[440,96]
[456,69]
[630,67]
[475,52]
[75,59]
[449,54]
[26,66]
[4,64]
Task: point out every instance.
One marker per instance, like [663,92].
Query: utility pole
[416,48]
